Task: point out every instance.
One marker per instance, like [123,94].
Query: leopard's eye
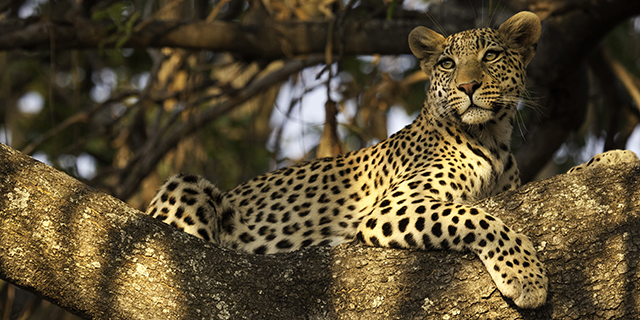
[490,55]
[446,64]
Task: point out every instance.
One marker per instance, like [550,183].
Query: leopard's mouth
[475,114]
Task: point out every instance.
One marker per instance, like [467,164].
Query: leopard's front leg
[509,257]
[608,158]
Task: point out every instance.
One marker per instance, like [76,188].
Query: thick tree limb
[97,257]
[270,40]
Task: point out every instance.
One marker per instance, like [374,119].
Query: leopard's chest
[455,168]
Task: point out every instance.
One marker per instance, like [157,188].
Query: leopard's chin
[476,115]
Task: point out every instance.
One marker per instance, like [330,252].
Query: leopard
[413,190]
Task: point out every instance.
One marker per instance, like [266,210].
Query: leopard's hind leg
[193,204]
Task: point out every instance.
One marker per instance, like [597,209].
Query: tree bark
[97,257]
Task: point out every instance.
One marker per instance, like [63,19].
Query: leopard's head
[477,76]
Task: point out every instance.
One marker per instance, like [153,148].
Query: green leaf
[391,9]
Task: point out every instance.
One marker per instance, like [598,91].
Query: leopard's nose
[470,87]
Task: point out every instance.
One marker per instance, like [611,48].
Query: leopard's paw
[516,270]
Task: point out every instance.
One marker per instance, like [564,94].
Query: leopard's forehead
[471,41]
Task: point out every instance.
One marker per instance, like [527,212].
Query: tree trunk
[99,258]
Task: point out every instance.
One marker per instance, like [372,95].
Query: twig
[630,82]
[52,69]
[170,6]
[82,116]
[216,10]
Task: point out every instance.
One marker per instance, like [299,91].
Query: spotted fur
[415,189]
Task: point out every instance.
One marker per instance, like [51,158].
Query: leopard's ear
[426,45]
[522,30]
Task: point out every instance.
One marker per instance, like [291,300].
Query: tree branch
[270,40]
[100,259]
